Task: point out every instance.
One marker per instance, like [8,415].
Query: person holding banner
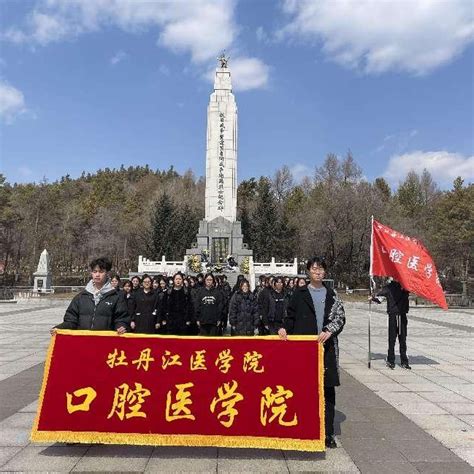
[100,306]
[397,309]
[316,309]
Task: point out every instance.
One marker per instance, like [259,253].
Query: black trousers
[397,327]
[330,409]
[208,330]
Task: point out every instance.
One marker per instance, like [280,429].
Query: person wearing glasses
[316,309]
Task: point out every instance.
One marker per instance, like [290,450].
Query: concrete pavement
[395,421]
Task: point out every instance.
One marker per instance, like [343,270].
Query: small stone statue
[223,60]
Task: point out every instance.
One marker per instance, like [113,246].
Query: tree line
[127,212]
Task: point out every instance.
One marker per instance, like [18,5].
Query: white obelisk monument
[43,276]
[220,234]
[221,150]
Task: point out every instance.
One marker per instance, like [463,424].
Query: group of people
[206,304]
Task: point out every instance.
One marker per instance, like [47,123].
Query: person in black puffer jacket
[244,316]
[99,307]
[209,307]
[177,311]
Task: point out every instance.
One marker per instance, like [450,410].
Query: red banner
[256,392]
[406,260]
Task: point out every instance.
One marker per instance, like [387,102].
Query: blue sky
[88,84]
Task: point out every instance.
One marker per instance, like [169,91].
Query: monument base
[219,238]
[42,282]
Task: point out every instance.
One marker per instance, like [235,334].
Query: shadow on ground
[414,360]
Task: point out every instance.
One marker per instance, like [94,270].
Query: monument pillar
[220,234]
[43,276]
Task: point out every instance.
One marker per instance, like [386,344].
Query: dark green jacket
[110,313]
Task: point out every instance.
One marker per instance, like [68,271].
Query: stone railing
[161,267]
[271,268]
[274,268]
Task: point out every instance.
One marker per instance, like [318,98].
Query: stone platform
[386,421]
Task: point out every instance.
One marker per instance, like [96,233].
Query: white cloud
[443,166]
[12,102]
[118,57]
[201,27]
[204,28]
[378,36]
[300,171]
[248,73]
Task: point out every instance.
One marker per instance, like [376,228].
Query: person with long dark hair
[144,316]
[128,297]
[156,283]
[301,282]
[244,316]
[162,288]
[193,289]
[115,281]
[209,307]
[274,307]
[290,288]
[263,296]
[136,282]
[237,285]
[226,291]
[177,313]
[317,310]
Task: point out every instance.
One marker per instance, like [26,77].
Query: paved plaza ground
[387,421]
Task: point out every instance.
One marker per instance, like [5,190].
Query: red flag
[406,260]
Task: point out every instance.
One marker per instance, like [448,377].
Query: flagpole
[369,354]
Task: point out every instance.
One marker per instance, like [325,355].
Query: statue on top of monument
[223,60]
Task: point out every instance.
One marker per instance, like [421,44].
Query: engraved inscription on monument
[220,233]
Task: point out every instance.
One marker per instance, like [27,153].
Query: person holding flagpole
[407,262]
[397,309]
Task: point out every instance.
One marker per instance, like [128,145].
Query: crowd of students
[206,304]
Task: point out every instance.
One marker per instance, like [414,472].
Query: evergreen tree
[265,223]
[410,195]
[383,188]
[184,231]
[453,229]
[162,226]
